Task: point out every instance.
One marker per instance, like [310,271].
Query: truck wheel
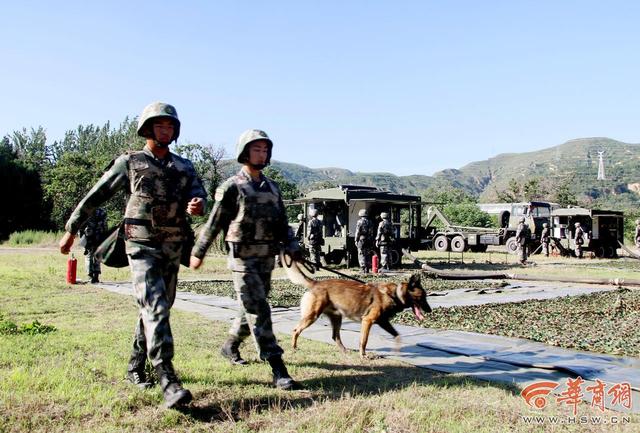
[612,252]
[512,245]
[600,252]
[396,258]
[441,243]
[458,244]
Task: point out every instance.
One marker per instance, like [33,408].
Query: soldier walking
[578,238]
[523,235]
[248,208]
[314,236]
[90,237]
[384,240]
[163,189]
[545,239]
[364,237]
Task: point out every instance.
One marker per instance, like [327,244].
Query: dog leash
[312,267]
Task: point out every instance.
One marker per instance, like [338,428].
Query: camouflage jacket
[94,229]
[253,218]
[385,233]
[578,236]
[637,234]
[158,190]
[364,232]
[544,236]
[314,230]
[523,234]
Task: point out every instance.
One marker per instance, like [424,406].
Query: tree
[289,191]
[564,195]
[457,205]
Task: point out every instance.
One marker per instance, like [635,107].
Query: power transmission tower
[601,166]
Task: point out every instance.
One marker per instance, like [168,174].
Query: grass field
[68,377]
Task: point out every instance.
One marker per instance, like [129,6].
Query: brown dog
[366,303]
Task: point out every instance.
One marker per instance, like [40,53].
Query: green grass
[71,379]
[32,238]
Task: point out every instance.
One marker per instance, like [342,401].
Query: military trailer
[338,210]
[449,237]
[603,229]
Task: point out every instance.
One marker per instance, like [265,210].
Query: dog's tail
[294,273]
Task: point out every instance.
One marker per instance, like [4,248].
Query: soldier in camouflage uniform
[545,239]
[314,236]
[163,188]
[523,234]
[90,237]
[578,238]
[364,238]
[384,240]
[636,236]
[249,210]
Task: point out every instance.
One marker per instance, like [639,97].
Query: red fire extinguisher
[374,264]
[72,266]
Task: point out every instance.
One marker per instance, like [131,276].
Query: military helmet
[248,137]
[300,217]
[545,225]
[362,213]
[577,224]
[521,219]
[157,110]
[384,215]
[313,212]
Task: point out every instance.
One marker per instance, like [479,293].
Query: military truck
[603,229]
[338,210]
[449,237]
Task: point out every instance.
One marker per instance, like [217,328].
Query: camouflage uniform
[384,240]
[315,237]
[523,234]
[578,238]
[636,236]
[155,228]
[253,217]
[91,235]
[364,237]
[545,239]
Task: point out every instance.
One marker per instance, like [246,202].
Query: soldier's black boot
[174,394]
[281,378]
[94,278]
[136,371]
[231,350]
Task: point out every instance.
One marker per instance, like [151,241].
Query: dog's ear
[401,292]
[414,281]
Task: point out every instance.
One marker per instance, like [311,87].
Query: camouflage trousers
[91,263]
[364,258]
[385,257]
[545,248]
[314,254]
[155,275]
[522,253]
[254,314]
[579,251]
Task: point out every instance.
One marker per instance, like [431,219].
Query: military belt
[147,223]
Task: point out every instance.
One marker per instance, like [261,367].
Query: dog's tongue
[417,313]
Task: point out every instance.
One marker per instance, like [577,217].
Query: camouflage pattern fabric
[315,238]
[92,234]
[545,240]
[523,234]
[637,236]
[579,241]
[384,239]
[254,219]
[364,241]
[154,221]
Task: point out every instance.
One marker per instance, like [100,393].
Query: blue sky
[407,87]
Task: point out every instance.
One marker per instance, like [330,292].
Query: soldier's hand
[194,262]
[66,243]
[195,206]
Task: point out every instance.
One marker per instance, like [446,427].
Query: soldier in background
[578,238]
[636,236]
[249,209]
[91,235]
[364,238]
[523,235]
[545,239]
[314,236]
[300,230]
[163,188]
[384,240]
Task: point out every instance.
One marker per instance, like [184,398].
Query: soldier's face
[163,131]
[258,153]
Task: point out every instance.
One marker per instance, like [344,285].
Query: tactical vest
[386,232]
[258,221]
[363,232]
[157,205]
